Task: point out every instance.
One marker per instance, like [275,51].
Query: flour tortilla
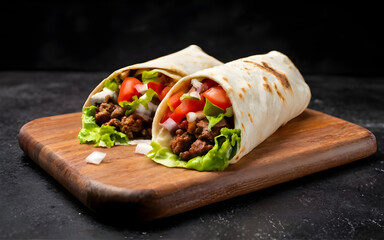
[266,92]
[175,65]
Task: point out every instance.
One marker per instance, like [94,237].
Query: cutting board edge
[93,194]
[96,195]
[368,139]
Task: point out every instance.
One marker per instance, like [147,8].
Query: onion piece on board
[143,148]
[96,157]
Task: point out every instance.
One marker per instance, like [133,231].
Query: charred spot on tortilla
[267,87]
[249,85]
[250,118]
[241,96]
[278,92]
[265,78]
[225,79]
[243,89]
[242,149]
[241,113]
[242,126]
[279,75]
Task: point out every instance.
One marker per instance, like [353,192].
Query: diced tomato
[164,92]
[166,115]
[207,84]
[156,86]
[185,107]
[174,100]
[128,90]
[218,97]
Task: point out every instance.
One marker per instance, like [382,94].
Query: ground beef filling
[193,139]
[134,126]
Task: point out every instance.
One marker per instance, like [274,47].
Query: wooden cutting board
[134,186]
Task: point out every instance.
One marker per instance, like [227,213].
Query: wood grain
[131,184]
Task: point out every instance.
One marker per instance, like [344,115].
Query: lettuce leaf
[217,159]
[213,120]
[215,114]
[150,76]
[143,100]
[211,109]
[104,136]
[112,84]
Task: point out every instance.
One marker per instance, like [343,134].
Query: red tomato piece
[156,86]
[164,92]
[207,84]
[128,90]
[185,107]
[218,97]
[166,115]
[174,100]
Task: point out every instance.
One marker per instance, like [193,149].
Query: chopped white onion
[152,107]
[195,95]
[95,157]
[142,110]
[143,148]
[191,116]
[169,124]
[148,112]
[196,83]
[141,88]
[100,96]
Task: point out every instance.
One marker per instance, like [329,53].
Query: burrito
[122,106]
[214,117]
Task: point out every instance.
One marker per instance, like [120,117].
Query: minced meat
[193,139]
[134,126]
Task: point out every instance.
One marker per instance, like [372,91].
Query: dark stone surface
[346,202]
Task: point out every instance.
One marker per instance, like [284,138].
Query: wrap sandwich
[214,117]
[122,106]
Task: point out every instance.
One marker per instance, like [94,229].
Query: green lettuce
[213,120]
[215,114]
[143,100]
[150,76]
[112,84]
[217,159]
[104,136]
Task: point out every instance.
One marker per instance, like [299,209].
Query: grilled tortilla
[175,66]
[266,91]
[122,106]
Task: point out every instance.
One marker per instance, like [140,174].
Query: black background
[327,39]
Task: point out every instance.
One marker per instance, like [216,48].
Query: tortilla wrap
[266,91]
[175,66]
